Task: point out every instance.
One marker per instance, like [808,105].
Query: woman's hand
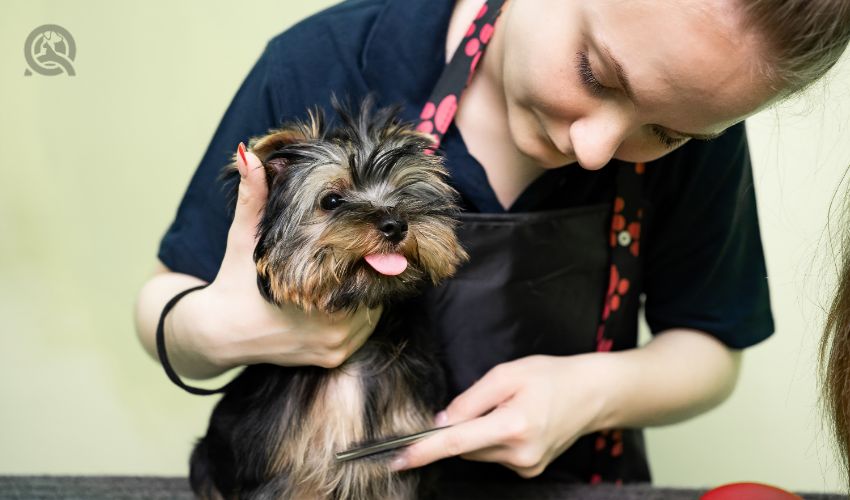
[525,413]
[521,414]
[236,326]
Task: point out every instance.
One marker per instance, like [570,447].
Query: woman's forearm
[184,353]
[678,375]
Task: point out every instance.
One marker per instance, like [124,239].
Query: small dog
[358,214]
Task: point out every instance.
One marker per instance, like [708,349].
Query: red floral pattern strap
[439,112]
[621,304]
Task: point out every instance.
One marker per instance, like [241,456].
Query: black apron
[558,282]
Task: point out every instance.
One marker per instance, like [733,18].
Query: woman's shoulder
[317,56]
[355,47]
[336,33]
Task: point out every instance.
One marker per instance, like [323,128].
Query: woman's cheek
[528,136]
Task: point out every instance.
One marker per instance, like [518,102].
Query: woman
[539,329]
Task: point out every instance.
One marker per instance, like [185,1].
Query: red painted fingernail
[242,154]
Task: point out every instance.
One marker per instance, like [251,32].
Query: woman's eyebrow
[622,75]
[623,78]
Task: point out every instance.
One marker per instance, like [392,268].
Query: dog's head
[356,214]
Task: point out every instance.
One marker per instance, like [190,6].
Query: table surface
[155,488]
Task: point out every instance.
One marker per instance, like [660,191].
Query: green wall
[93,168]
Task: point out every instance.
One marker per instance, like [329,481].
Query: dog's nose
[393,228]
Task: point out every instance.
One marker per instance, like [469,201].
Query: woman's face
[588,81]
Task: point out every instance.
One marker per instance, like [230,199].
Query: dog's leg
[201,473]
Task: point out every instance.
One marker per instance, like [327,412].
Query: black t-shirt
[703,262]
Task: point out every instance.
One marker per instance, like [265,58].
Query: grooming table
[156,488]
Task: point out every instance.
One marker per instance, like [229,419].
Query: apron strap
[624,240]
[620,306]
[623,292]
[439,112]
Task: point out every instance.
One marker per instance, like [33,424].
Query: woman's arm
[186,354]
[676,376]
[524,413]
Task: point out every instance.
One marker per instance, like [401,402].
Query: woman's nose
[596,139]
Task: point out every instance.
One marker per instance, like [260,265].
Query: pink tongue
[390,264]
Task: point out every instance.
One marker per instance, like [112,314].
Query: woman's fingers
[364,324]
[468,433]
[251,201]
[253,193]
[485,437]
[527,461]
[494,388]
[480,433]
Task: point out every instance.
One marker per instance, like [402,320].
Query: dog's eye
[331,201]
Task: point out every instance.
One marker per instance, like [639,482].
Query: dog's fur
[276,430]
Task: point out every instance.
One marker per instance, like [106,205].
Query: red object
[242,154]
[749,491]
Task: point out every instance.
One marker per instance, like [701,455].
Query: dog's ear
[295,133]
[265,146]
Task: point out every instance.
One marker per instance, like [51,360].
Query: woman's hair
[835,350]
[803,38]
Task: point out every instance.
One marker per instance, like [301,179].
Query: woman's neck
[482,116]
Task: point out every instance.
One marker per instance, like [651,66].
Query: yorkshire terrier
[358,214]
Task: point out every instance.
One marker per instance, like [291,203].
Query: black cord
[163,357]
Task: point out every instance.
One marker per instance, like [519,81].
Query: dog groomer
[590,192]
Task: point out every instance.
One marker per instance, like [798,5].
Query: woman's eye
[586,74]
[331,201]
[666,139]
